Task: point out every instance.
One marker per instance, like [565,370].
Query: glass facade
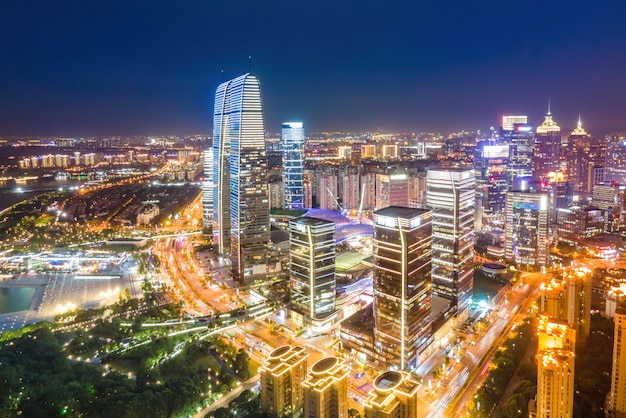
[207,190]
[402,279]
[547,149]
[526,232]
[520,141]
[293,164]
[240,194]
[312,267]
[450,195]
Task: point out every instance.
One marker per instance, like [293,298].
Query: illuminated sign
[386,221]
[523,128]
[496,151]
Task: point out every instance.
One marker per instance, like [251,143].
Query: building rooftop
[401,212]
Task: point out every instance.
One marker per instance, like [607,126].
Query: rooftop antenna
[549,106]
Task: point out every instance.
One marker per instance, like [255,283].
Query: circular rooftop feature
[280,351]
[324,365]
[494,268]
[388,380]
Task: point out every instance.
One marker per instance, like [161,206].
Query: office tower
[615,170]
[569,299]
[518,135]
[491,163]
[450,196]
[577,157]
[612,199]
[509,122]
[561,196]
[526,229]
[576,225]
[616,398]
[207,191]
[326,389]
[394,396]
[312,268]
[555,368]
[282,375]
[240,199]
[402,279]
[293,164]
[547,148]
[392,190]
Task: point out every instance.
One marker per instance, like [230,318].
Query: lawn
[348,260]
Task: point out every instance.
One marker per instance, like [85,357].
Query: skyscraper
[526,229]
[518,135]
[312,268]
[207,191]
[577,156]
[547,149]
[293,164]
[555,368]
[616,398]
[281,377]
[402,278]
[240,194]
[450,196]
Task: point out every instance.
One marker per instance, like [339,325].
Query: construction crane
[341,209]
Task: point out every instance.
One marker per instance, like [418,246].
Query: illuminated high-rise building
[450,196]
[518,135]
[392,190]
[312,268]
[555,368]
[577,157]
[282,375]
[207,191]
[293,164]
[402,280]
[491,166]
[240,199]
[394,396]
[547,148]
[326,389]
[569,299]
[327,192]
[526,229]
[616,399]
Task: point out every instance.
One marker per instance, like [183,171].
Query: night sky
[82,68]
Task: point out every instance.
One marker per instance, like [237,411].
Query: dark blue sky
[151,67]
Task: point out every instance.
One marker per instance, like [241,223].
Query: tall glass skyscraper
[402,278]
[293,164]
[450,195]
[312,268]
[240,194]
[547,148]
[207,191]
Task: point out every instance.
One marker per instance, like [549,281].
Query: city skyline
[82,70]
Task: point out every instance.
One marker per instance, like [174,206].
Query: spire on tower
[549,113]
